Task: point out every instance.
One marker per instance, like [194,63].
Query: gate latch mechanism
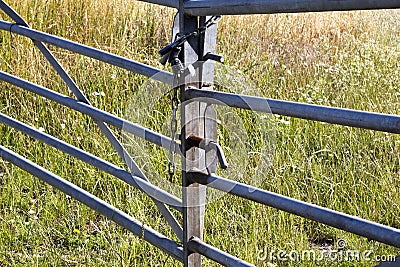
[207,145]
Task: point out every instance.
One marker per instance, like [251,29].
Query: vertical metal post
[196,119]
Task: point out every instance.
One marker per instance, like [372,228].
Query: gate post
[198,119]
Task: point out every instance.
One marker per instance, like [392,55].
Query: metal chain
[181,38]
[213,20]
[178,69]
[174,122]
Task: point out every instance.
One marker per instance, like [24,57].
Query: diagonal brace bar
[123,153]
[95,203]
[91,111]
[137,182]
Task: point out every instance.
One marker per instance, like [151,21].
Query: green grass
[347,59]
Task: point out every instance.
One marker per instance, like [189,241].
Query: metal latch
[207,145]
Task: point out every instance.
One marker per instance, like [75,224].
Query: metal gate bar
[169,217]
[114,214]
[348,117]
[88,51]
[98,114]
[352,224]
[195,51]
[93,112]
[144,186]
[167,3]
[135,129]
[123,153]
[217,255]
[241,7]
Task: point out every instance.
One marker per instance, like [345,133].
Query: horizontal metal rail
[226,259]
[108,167]
[354,118]
[88,51]
[114,214]
[241,7]
[167,3]
[352,224]
[93,112]
[169,217]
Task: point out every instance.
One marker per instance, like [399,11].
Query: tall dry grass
[347,59]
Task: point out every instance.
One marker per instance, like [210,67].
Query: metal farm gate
[196,24]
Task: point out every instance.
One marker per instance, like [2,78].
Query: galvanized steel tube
[125,176]
[167,3]
[98,54]
[114,214]
[352,224]
[348,117]
[215,254]
[240,7]
[93,112]
[103,127]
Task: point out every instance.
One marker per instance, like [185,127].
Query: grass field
[346,59]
